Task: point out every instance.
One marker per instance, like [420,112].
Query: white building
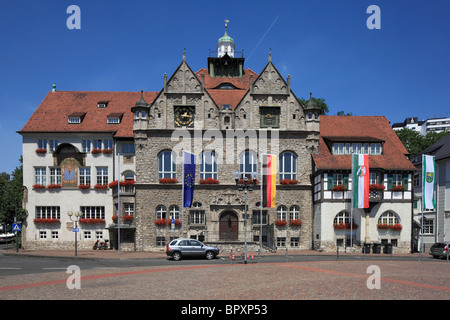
[424,126]
[388,218]
[436,224]
[71,146]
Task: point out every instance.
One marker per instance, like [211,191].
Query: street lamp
[76,217]
[245,184]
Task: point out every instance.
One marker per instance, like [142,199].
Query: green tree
[11,195]
[320,103]
[342,113]
[415,142]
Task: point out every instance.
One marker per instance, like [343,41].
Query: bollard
[286,255]
[337,253]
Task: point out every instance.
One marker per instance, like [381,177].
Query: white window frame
[283,159]
[208,156]
[282,213]
[102,175]
[40,175]
[161,212]
[164,172]
[248,158]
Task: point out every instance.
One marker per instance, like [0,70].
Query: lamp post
[245,184]
[76,217]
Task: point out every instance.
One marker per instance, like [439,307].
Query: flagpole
[182,193]
[351,205]
[421,207]
[261,208]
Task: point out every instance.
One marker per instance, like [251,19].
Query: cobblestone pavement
[400,280]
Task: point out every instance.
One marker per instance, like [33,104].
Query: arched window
[342,217]
[208,165]
[288,166]
[282,213]
[167,167]
[161,212]
[174,212]
[389,218]
[294,213]
[248,163]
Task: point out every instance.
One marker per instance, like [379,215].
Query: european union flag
[188,178]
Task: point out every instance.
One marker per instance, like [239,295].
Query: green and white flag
[428,176]
[360,180]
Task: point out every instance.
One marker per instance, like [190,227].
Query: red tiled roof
[240,83]
[226,96]
[360,128]
[53,112]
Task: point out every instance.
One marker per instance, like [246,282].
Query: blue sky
[400,70]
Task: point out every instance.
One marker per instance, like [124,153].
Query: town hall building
[110,163]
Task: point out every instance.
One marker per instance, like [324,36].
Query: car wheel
[210,255]
[176,256]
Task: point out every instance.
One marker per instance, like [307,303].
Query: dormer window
[102,104]
[114,118]
[374,148]
[76,118]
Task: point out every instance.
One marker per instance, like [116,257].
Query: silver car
[440,250]
[185,248]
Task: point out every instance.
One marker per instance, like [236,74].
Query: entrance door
[228,226]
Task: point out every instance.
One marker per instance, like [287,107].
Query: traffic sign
[76,230]
[16,227]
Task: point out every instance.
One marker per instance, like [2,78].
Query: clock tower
[226,64]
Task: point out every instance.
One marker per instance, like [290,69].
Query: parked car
[184,248]
[439,250]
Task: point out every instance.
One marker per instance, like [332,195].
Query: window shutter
[405,182]
[346,178]
[330,182]
[389,181]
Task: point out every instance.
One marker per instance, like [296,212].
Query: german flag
[269,178]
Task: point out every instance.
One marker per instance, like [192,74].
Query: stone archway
[228,226]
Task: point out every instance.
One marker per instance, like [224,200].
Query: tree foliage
[415,142]
[320,103]
[11,195]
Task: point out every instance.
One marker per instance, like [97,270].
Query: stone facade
[228,133]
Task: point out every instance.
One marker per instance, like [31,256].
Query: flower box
[161,222]
[41,151]
[345,226]
[241,181]
[107,151]
[54,186]
[385,226]
[96,151]
[125,183]
[128,217]
[280,223]
[376,187]
[168,180]
[101,186]
[209,181]
[295,223]
[46,220]
[84,186]
[288,181]
[92,220]
[38,186]
[398,188]
[339,187]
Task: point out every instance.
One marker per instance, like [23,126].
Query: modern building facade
[424,126]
